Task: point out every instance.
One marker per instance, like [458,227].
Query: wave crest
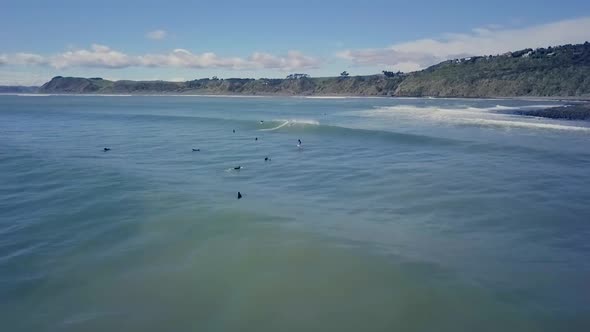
[289,123]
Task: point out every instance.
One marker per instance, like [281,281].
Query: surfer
[106,149]
[239,195]
[196,150]
[237,168]
[234,131]
[298,143]
[266,159]
[256,139]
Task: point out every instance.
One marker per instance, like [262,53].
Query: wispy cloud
[22,59]
[157,34]
[293,60]
[186,59]
[492,39]
[100,56]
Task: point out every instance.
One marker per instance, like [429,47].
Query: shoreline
[572,112]
[574,108]
[568,99]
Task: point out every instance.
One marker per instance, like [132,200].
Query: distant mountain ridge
[562,71]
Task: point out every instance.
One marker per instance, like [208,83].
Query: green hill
[562,71]
[557,71]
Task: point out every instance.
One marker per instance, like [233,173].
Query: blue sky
[178,40]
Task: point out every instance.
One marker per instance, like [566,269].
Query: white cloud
[293,60]
[406,67]
[22,59]
[157,34]
[100,56]
[186,59]
[492,39]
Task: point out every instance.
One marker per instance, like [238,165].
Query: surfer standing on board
[299,143]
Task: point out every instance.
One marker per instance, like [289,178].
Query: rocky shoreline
[578,111]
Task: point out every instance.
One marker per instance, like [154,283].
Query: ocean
[392,215]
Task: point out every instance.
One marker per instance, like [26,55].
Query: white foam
[206,96]
[327,97]
[277,127]
[536,106]
[293,122]
[523,124]
[412,108]
[339,97]
[542,106]
[471,116]
[500,107]
[74,95]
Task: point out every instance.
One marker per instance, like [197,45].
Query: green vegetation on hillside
[555,71]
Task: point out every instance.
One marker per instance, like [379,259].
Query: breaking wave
[278,124]
[478,116]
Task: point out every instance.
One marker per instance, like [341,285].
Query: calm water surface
[394,215]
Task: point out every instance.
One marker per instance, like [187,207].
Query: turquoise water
[394,215]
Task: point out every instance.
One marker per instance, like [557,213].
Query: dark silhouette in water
[106,149]
[266,159]
[237,168]
[261,121]
[298,143]
[196,150]
[234,131]
[239,195]
[256,139]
